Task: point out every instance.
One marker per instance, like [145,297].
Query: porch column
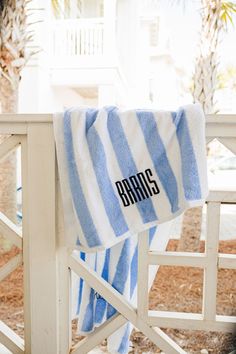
[36,74]
[39,241]
[106,95]
[109,27]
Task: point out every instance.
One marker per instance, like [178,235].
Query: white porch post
[36,74]
[106,95]
[109,27]
[39,246]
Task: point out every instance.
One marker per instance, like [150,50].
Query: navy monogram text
[137,187]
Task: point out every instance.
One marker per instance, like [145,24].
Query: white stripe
[142,159]
[72,225]
[167,131]
[88,178]
[131,213]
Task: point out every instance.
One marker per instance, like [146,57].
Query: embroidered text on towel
[136,188]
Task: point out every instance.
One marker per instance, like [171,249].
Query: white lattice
[13,233]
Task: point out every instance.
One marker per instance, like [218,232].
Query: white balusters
[75,38]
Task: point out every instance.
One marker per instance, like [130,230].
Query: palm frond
[14,38]
[228,8]
[57,9]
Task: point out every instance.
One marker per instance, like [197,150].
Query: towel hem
[141,228]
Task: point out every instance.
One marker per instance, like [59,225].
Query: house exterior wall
[120,73]
[48,81]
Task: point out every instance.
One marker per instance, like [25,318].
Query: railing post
[211,269]
[39,235]
[64,279]
[143,274]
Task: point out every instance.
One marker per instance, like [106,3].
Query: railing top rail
[87,21]
[47,118]
[26,118]
[221,118]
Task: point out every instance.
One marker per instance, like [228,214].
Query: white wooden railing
[48,264]
[76,38]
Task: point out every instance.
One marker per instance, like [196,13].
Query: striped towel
[118,266]
[123,172]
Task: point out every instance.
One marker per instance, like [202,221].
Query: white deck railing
[47,263]
[77,38]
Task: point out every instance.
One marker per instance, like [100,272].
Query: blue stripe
[134,263]
[101,303]
[78,197]
[109,198]
[81,284]
[152,232]
[88,320]
[134,271]
[159,157]
[191,183]
[124,345]
[122,271]
[91,115]
[78,243]
[126,161]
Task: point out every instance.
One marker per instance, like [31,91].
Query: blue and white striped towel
[118,266]
[123,172]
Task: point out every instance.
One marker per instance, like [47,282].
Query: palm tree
[215,16]
[14,37]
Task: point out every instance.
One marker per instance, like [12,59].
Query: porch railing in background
[77,37]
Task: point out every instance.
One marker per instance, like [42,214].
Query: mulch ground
[174,289]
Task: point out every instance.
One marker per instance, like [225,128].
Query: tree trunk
[191,230]
[207,60]
[203,92]
[8,96]
[9,103]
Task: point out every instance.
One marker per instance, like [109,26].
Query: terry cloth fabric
[118,266]
[123,172]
